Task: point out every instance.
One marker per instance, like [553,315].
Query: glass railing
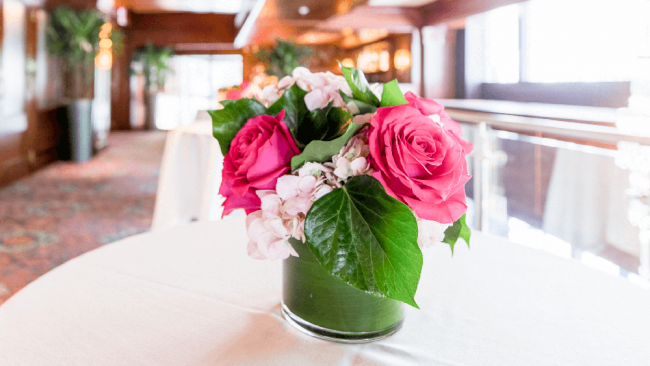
[571,189]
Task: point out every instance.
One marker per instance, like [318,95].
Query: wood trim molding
[20,166]
[445,10]
[244,33]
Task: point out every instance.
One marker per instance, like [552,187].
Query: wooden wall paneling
[42,136]
[12,88]
[29,134]
[50,5]
[1,49]
[120,90]
[169,29]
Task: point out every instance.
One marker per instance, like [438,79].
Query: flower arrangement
[364,176]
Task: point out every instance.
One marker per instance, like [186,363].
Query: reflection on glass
[563,198]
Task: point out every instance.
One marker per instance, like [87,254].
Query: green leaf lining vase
[321,305]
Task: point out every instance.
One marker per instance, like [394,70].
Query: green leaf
[293,103]
[367,239]
[361,106]
[365,108]
[322,124]
[458,230]
[314,126]
[228,121]
[359,85]
[392,96]
[338,120]
[322,151]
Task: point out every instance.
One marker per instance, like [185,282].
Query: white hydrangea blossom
[430,232]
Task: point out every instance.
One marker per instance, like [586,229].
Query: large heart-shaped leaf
[322,151]
[392,96]
[228,121]
[293,103]
[367,239]
[458,229]
[359,85]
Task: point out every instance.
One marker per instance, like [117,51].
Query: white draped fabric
[190,175]
[587,205]
[190,296]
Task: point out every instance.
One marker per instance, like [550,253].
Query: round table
[190,295]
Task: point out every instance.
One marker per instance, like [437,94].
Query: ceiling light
[384,61]
[122,20]
[346,32]
[347,62]
[303,10]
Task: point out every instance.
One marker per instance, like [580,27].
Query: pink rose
[419,163]
[430,108]
[233,94]
[259,154]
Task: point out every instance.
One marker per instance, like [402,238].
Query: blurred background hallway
[554,94]
[67,209]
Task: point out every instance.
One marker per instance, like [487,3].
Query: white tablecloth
[191,296]
[190,176]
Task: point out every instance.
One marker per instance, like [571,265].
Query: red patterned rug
[68,209]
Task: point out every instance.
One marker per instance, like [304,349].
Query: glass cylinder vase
[321,305]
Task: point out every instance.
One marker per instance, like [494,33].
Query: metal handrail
[571,130]
[552,129]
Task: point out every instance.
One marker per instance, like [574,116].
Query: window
[552,41]
[193,85]
[502,45]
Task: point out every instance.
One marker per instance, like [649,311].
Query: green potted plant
[153,62]
[284,57]
[74,36]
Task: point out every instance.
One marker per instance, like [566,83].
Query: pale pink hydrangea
[267,95]
[353,158]
[322,87]
[362,118]
[268,236]
[283,211]
[271,94]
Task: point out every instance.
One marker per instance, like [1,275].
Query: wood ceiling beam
[445,10]
[174,28]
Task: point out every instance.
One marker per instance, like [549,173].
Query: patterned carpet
[68,209]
